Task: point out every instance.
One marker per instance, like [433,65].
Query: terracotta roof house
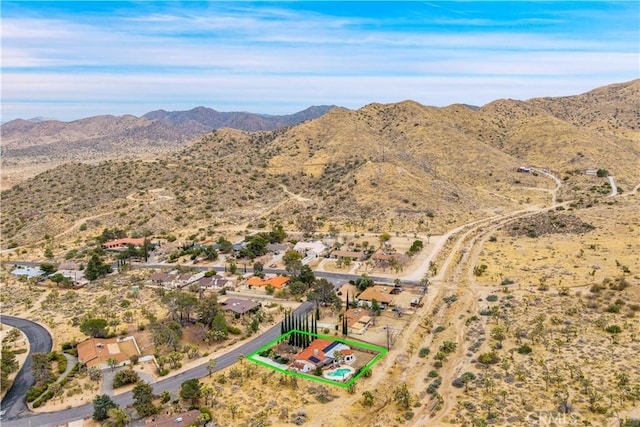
[321,352]
[277,282]
[239,306]
[96,351]
[379,293]
[183,419]
[119,244]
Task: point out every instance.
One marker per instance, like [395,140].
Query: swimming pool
[341,373]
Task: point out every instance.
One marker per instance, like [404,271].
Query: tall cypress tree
[347,301]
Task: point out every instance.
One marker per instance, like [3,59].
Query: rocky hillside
[395,167]
[103,137]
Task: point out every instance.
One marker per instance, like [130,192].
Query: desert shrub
[613,308]
[44,398]
[433,387]
[162,372]
[433,374]
[524,349]
[479,270]
[458,382]
[613,329]
[124,377]
[506,281]
[490,358]
[448,347]
[492,298]
[233,330]
[450,299]
[439,329]
[424,352]
[35,391]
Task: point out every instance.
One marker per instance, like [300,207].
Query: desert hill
[102,137]
[400,167]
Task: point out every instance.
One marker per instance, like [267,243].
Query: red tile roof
[277,282]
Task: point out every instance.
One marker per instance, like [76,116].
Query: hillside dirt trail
[454,277]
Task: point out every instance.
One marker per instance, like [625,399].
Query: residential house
[240,306]
[76,276]
[215,282]
[382,295]
[358,320]
[97,351]
[278,248]
[321,352]
[121,244]
[352,255]
[384,259]
[28,272]
[174,279]
[314,248]
[278,282]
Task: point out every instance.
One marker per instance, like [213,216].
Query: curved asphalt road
[39,342]
[169,384]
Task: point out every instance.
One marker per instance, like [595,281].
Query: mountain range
[384,167]
[104,136]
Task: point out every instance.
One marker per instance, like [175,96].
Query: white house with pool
[323,353]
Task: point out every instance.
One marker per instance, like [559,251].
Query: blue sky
[69,60]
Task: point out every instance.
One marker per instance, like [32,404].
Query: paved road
[338,279]
[171,384]
[39,342]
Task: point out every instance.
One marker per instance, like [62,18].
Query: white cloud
[282,60]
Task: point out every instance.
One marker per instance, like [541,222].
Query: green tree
[125,377]
[191,390]
[112,363]
[225,245]
[324,292]
[96,328]
[117,418]
[207,309]
[48,253]
[143,399]
[96,268]
[368,399]
[277,234]
[363,282]
[48,268]
[292,262]
[219,327]
[211,366]
[402,396]
[41,368]
[9,365]
[101,405]
[498,333]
